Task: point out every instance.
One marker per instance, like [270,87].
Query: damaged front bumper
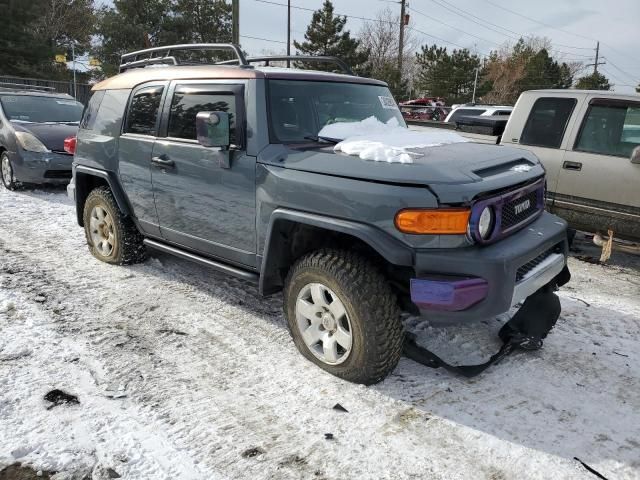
[479,282]
[41,167]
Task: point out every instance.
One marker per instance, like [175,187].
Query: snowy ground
[182,373]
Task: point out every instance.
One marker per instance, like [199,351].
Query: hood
[52,135]
[455,172]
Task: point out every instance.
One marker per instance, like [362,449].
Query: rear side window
[143,111]
[111,112]
[610,130]
[186,104]
[90,113]
[547,122]
[463,112]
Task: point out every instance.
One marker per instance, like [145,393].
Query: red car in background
[426,108]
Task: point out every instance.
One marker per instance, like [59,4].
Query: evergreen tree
[22,52]
[203,21]
[137,24]
[638,88]
[595,81]
[448,75]
[326,36]
[132,25]
[542,71]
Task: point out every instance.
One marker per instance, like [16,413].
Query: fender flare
[274,255]
[81,191]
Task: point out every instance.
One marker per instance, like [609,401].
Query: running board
[221,267]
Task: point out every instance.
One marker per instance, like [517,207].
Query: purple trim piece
[497,203]
[452,295]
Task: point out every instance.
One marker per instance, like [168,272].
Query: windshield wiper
[319,139]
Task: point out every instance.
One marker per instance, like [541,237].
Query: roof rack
[24,86]
[308,58]
[165,55]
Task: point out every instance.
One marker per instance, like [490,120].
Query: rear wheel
[112,237]
[6,172]
[343,315]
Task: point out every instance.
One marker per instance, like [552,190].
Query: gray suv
[35,123]
[222,164]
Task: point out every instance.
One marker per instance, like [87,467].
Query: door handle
[572,166]
[163,162]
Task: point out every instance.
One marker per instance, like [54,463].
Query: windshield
[299,109]
[32,108]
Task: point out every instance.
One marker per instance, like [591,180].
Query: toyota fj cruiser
[222,164]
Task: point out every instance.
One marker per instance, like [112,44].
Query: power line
[543,24]
[632,77]
[269,2]
[263,39]
[616,79]
[451,26]
[307,9]
[470,17]
[437,38]
[560,30]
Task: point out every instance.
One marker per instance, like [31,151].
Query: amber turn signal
[444,221]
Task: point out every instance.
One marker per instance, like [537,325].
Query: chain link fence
[83,90]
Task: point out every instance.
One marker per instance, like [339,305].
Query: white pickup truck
[589,143]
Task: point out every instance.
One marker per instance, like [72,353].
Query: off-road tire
[9,183]
[128,247]
[377,332]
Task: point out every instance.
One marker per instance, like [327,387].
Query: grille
[58,174]
[533,263]
[511,217]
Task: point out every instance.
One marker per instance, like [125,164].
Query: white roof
[575,91]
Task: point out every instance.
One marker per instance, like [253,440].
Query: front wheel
[6,172]
[343,315]
[112,237]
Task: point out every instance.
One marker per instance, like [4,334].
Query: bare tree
[382,37]
[66,21]
[525,65]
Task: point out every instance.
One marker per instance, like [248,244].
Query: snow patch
[371,139]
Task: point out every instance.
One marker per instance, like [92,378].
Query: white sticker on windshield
[66,102]
[8,99]
[388,102]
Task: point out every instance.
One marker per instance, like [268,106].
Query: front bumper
[512,269]
[46,167]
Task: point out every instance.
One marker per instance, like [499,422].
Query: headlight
[30,143]
[485,224]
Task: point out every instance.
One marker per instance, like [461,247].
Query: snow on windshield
[371,139]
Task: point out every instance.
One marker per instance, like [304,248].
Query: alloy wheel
[324,324]
[101,230]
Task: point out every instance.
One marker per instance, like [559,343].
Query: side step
[221,267]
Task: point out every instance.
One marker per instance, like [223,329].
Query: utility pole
[595,65]
[235,21]
[401,40]
[475,84]
[288,32]
[75,85]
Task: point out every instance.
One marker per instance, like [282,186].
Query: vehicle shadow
[51,193]
[573,398]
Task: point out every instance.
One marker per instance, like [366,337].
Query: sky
[480,25]
[573,27]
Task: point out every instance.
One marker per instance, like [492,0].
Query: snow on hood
[371,139]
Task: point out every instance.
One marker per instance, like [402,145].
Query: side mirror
[635,155]
[212,129]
